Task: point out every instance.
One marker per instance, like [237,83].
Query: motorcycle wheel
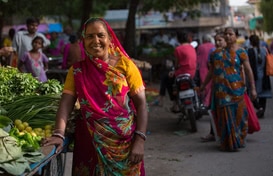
[192,119]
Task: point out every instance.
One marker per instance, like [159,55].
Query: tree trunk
[87,7]
[1,23]
[130,31]
[1,30]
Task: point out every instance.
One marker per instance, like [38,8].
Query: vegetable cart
[28,107]
[53,163]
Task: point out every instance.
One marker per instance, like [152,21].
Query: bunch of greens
[14,84]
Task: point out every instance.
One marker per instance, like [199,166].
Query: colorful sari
[105,131]
[229,105]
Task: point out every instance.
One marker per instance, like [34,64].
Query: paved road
[171,151]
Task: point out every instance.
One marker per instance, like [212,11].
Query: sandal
[260,113]
[208,138]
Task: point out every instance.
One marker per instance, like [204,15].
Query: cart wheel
[56,166]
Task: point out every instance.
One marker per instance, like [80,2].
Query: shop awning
[254,22]
[55,27]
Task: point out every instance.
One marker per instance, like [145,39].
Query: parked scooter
[187,98]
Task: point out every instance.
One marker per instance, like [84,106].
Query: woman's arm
[66,106]
[249,74]
[45,61]
[139,101]
[207,79]
[137,152]
[45,66]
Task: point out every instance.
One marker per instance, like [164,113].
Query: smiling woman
[112,104]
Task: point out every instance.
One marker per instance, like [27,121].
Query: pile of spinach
[14,84]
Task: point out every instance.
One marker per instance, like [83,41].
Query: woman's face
[220,41]
[97,40]
[230,36]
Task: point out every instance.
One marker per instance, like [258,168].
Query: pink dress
[203,52]
[35,66]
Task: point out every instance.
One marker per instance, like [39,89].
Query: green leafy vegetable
[14,84]
[4,121]
[37,110]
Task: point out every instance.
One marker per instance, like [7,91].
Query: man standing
[22,40]
[203,52]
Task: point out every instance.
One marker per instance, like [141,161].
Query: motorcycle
[187,98]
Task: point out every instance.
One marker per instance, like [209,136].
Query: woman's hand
[6,51]
[253,94]
[53,140]
[137,152]
[202,88]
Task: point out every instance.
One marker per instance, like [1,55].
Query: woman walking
[257,59]
[228,89]
[220,43]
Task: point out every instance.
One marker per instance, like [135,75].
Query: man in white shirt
[22,40]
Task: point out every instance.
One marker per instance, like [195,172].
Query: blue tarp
[55,27]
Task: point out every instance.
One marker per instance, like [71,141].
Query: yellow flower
[114,82]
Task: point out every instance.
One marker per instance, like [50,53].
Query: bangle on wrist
[61,131]
[59,135]
[141,134]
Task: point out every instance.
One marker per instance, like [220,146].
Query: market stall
[27,114]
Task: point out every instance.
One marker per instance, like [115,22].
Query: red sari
[105,131]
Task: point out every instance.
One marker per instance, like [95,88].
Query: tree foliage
[266,10]
[63,10]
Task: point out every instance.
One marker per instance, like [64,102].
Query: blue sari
[230,109]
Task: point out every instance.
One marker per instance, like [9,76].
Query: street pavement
[172,151]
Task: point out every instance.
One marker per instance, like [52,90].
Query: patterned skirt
[232,125]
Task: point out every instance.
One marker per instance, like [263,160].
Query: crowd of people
[227,71]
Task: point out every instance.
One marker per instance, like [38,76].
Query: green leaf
[4,121]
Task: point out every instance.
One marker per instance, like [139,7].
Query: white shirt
[22,42]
